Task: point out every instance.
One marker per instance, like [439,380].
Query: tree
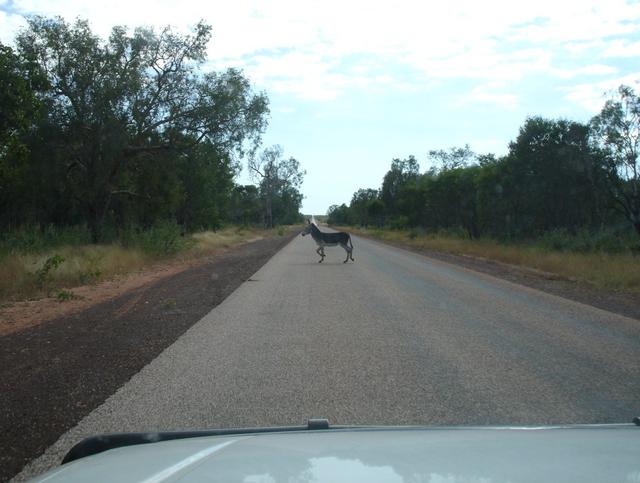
[246,206]
[360,205]
[402,172]
[206,178]
[20,110]
[279,178]
[551,175]
[452,159]
[338,215]
[118,104]
[616,133]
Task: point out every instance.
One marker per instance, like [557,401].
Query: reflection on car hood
[443,455]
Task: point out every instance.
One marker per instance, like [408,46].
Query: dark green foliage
[339,215]
[35,239]
[552,178]
[161,239]
[402,173]
[360,207]
[125,135]
[20,84]
[246,205]
[559,185]
[609,240]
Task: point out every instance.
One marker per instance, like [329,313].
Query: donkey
[329,240]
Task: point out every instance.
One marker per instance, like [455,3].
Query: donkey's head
[307,229]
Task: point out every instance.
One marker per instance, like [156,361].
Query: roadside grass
[39,269]
[611,271]
[208,241]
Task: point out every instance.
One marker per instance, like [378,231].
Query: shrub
[399,222]
[34,238]
[65,295]
[162,239]
[44,273]
[584,241]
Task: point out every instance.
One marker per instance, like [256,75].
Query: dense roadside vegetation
[54,270]
[563,187]
[602,269]
[119,135]
[121,149]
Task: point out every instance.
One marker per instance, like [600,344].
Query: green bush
[44,274]
[162,239]
[584,241]
[416,232]
[399,223]
[35,239]
[65,295]
[453,232]
[93,272]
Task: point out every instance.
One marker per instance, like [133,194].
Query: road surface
[394,338]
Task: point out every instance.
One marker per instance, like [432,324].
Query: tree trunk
[269,214]
[97,213]
[95,225]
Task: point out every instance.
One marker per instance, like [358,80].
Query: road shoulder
[55,373]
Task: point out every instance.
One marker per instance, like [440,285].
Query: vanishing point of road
[394,338]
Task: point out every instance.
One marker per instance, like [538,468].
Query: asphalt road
[394,338]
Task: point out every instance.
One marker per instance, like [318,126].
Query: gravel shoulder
[55,372]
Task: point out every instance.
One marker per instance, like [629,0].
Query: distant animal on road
[329,240]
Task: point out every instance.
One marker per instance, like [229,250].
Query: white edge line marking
[172,470]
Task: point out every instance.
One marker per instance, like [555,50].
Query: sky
[354,84]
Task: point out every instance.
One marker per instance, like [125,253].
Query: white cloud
[588,70]
[10,24]
[494,93]
[621,48]
[300,47]
[482,62]
[311,76]
[592,95]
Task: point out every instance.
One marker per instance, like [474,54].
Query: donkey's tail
[351,250]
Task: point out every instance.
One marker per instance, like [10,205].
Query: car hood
[440,455]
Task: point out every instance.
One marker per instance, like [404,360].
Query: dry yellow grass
[608,271]
[92,263]
[81,265]
[212,240]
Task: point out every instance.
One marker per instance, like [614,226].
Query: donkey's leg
[320,252]
[346,249]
